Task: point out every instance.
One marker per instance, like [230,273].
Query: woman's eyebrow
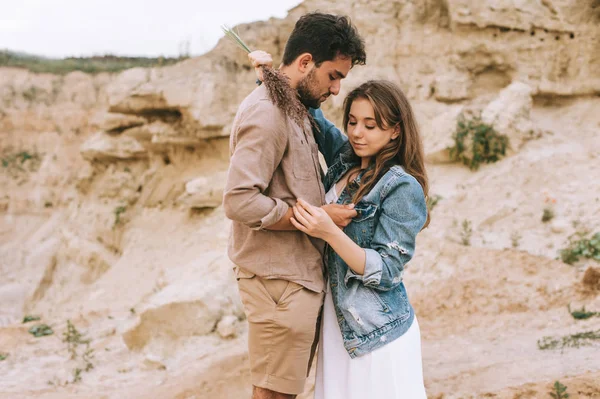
[368,118]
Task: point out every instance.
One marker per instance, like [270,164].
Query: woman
[370,341]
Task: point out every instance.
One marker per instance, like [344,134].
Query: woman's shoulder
[398,181]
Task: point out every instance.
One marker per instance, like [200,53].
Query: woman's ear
[396,133]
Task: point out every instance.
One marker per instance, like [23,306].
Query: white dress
[394,371]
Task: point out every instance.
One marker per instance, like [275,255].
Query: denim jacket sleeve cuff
[373,269]
[274,216]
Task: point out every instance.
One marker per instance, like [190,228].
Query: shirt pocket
[302,159]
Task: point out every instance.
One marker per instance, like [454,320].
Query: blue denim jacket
[372,309]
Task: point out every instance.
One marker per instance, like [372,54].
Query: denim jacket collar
[344,163]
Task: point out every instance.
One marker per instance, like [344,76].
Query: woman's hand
[260,58]
[313,221]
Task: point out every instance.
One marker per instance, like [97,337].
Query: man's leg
[262,393]
[282,319]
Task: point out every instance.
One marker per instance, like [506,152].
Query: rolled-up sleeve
[403,215]
[258,146]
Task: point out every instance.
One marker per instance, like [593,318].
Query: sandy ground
[482,308]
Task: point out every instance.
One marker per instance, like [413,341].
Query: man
[274,161]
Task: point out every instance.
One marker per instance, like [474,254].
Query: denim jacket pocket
[362,227]
[364,310]
[364,211]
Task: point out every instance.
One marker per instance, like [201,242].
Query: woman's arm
[402,217]
[403,214]
[329,138]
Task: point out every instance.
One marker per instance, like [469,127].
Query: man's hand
[260,58]
[340,214]
[313,221]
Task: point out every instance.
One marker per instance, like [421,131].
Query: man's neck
[287,71]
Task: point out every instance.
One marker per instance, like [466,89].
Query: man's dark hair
[325,37]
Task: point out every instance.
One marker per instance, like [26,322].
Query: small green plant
[560,391]
[466,233]
[76,375]
[476,142]
[29,318]
[118,211]
[73,338]
[41,330]
[548,214]
[583,247]
[17,163]
[432,201]
[31,93]
[515,239]
[19,157]
[87,357]
[3,356]
[569,341]
[582,314]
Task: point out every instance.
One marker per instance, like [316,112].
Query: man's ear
[305,62]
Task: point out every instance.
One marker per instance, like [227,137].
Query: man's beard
[306,89]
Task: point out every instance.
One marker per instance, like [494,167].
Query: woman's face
[366,138]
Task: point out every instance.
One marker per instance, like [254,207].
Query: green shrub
[18,163]
[73,338]
[569,341]
[583,247]
[515,239]
[560,391]
[41,330]
[29,318]
[582,314]
[548,214]
[466,233]
[118,211]
[476,142]
[432,201]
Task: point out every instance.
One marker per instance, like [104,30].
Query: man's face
[323,81]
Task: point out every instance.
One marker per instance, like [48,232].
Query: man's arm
[260,142]
[340,214]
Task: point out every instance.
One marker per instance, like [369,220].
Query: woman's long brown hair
[392,110]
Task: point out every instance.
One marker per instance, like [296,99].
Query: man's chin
[315,104]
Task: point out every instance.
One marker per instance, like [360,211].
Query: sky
[62,28]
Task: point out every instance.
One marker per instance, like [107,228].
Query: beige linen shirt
[273,162]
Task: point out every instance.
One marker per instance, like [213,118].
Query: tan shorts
[283,332]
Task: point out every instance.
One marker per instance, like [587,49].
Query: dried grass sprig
[235,37]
